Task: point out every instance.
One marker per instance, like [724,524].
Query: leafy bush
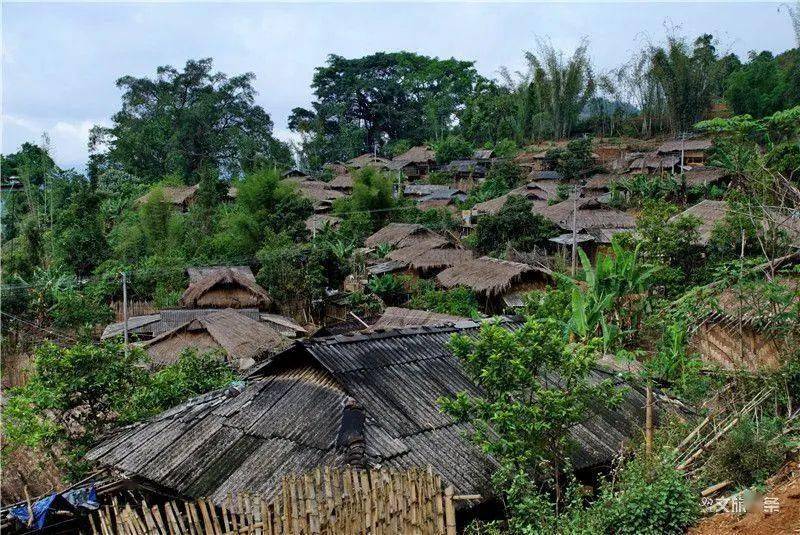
[75,394]
[457,301]
[647,497]
[453,148]
[515,224]
[749,453]
[390,288]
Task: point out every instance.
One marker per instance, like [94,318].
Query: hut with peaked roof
[286,416]
[497,283]
[702,176]
[709,212]
[466,170]
[320,195]
[295,173]
[532,161]
[693,151]
[343,182]
[590,214]
[415,163]
[224,287]
[424,260]
[367,160]
[536,192]
[400,235]
[242,340]
[317,222]
[181,197]
[398,318]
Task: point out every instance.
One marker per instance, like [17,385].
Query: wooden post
[648,426]
[125,308]
[574,231]
[450,511]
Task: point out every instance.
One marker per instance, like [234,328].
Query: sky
[61,60]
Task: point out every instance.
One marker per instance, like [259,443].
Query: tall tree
[387,96]
[182,121]
[562,86]
[687,78]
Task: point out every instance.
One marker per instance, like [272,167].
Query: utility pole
[648,420]
[125,308]
[574,230]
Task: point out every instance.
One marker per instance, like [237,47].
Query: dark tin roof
[288,415]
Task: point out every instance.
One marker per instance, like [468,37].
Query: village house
[318,222]
[243,341]
[319,194]
[591,215]
[182,197]
[689,152]
[399,235]
[532,161]
[367,160]
[399,318]
[538,193]
[343,182]
[291,413]
[702,176]
[423,260]
[442,198]
[295,173]
[497,283]
[224,287]
[415,163]
[464,171]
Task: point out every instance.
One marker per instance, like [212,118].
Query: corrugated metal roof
[286,420]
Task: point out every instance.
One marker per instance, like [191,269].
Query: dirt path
[785,521]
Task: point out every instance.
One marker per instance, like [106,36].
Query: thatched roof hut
[295,172]
[318,193]
[590,214]
[317,222]
[244,341]
[343,183]
[599,183]
[709,213]
[368,160]
[420,154]
[536,192]
[702,176]
[180,196]
[404,235]
[424,259]
[198,273]
[225,287]
[492,279]
[398,317]
[676,146]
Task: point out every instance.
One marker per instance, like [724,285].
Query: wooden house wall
[168,350]
[726,346]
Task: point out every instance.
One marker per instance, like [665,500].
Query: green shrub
[391,288]
[457,301]
[749,453]
[647,497]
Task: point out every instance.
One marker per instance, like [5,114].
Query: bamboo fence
[327,501]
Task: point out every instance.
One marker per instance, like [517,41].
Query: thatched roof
[600,182]
[317,222]
[483,154]
[676,145]
[224,278]
[709,213]
[654,161]
[423,258]
[294,172]
[343,182]
[318,191]
[197,273]
[418,154]
[529,157]
[337,168]
[136,325]
[367,160]
[487,276]
[590,214]
[404,235]
[166,320]
[285,326]
[702,176]
[243,340]
[177,195]
[397,317]
[532,191]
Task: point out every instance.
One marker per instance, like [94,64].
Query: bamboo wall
[327,501]
[135,308]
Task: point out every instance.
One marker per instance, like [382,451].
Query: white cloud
[68,140]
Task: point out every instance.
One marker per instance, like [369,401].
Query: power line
[20,320]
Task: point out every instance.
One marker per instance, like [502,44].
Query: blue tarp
[72,500]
